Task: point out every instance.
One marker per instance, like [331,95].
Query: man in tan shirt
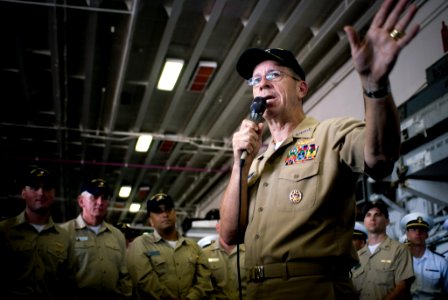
[99,246]
[294,204]
[223,261]
[385,270]
[164,264]
[36,261]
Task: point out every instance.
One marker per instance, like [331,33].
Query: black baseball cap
[97,187]
[378,204]
[38,177]
[253,56]
[152,205]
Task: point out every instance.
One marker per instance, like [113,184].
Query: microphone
[257,109]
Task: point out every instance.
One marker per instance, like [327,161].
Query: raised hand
[375,55]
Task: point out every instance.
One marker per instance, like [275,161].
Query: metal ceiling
[78,86]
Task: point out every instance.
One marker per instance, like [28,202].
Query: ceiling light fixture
[170,74]
[125,191]
[134,207]
[202,75]
[143,143]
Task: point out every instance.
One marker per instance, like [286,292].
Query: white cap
[205,241]
[416,219]
[359,229]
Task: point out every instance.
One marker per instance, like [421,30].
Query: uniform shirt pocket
[85,249]
[113,251]
[297,186]
[159,265]
[217,267]
[358,276]
[432,275]
[56,256]
[385,271]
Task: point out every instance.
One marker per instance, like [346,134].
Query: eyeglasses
[273,75]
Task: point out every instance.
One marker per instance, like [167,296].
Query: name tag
[153,253]
[213,259]
[82,238]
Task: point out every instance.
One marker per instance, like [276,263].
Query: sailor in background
[430,268]
[359,237]
[223,262]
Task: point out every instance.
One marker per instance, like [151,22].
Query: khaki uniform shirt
[224,271]
[302,202]
[101,259]
[159,271]
[35,265]
[378,273]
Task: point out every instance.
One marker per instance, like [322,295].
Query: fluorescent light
[143,143]
[125,191]
[135,207]
[170,74]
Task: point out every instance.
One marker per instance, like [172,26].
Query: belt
[297,269]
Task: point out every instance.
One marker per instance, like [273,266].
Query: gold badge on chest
[295,196]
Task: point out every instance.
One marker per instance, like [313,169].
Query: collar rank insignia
[301,153]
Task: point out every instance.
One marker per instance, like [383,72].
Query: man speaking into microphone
[297,209]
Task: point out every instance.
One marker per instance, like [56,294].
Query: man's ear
[81,201]
[302,89]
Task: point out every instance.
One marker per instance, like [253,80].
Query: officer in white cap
[359,237]
[431,269]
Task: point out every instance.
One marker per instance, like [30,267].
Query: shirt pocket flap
[306,170]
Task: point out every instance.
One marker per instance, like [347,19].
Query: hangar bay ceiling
[79,85]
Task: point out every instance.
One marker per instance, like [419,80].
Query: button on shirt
[378,273]
[101,259]
[35,265]
[431,276]
[159,271]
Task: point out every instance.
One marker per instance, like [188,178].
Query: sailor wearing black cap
[100,247]
[35,257]
[385,265]
[430,268]
[164,264]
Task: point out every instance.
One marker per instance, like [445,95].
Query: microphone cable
[256,112]
[238,230]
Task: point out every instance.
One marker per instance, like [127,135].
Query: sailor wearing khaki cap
[431,269]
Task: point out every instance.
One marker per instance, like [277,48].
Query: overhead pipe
[116,164]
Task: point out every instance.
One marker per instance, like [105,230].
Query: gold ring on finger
[396,34]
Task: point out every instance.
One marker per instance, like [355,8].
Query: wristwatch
[378,94]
